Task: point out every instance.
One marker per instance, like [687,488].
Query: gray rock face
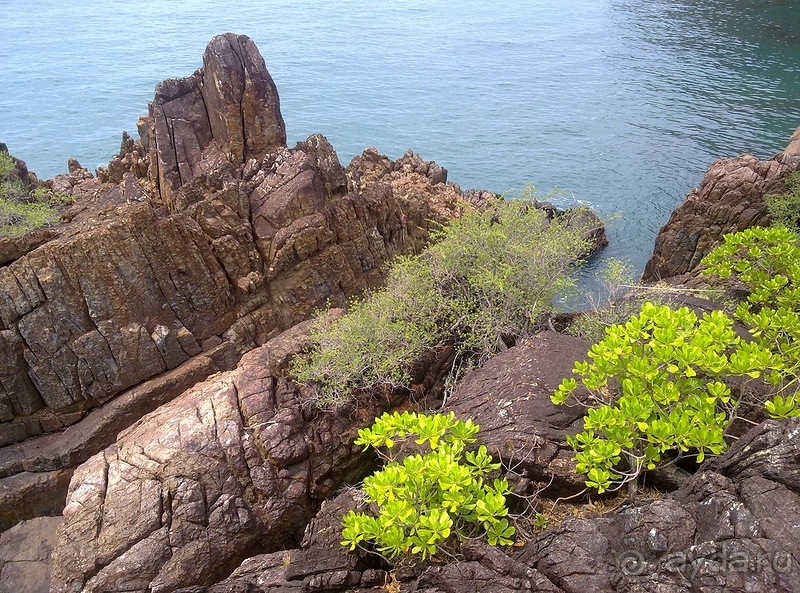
[25,552]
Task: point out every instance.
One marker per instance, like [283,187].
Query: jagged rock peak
[227,110]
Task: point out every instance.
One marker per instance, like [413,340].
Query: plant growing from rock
[20,209]
[767,262]
[426,503]
[615,302]
[656,392]
[489,277]
[784,209]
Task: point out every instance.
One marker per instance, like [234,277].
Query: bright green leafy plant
[767,262]
[426,503]
[656,391]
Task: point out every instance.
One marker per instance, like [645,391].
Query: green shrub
[20,209]
[426,503]
[17,218]
[656,388]
[377,342]
[7,165]
[488,278]
[784,209]
[767,262]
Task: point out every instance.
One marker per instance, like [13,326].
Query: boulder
[509,398]
[731,198]
[232,467]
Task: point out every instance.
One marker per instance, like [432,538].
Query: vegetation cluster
[662,383]
[784,209]
[21,208]
[658,384]
[489,278]
[428,503]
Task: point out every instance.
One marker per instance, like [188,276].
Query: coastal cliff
[156,282]
[152,441]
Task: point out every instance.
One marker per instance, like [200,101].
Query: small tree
[489,278]
[426,503]
[656,387]
[767,262]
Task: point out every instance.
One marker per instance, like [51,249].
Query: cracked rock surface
[140,293]
[231,467]
[731,198]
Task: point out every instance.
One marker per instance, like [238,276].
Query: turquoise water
[623,104]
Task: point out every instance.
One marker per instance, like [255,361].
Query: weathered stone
[115,301]
[228,110]
[34,474]
[25,550]
[731,528]
[25,495]
[227,469]
[509,398]
[730,199]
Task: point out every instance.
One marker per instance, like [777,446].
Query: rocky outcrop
[145,341]
[234,466]
[732,528]
[129,302]
[509,398]
[28,178]
[228,110]
[322,564]
[730,199]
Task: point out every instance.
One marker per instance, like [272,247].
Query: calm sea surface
[621,103]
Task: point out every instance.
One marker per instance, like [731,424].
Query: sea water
[622,104]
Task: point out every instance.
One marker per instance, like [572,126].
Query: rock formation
[730,199]
[145,346]
[232,466]
[730,529]
[227,110]
[156,282]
